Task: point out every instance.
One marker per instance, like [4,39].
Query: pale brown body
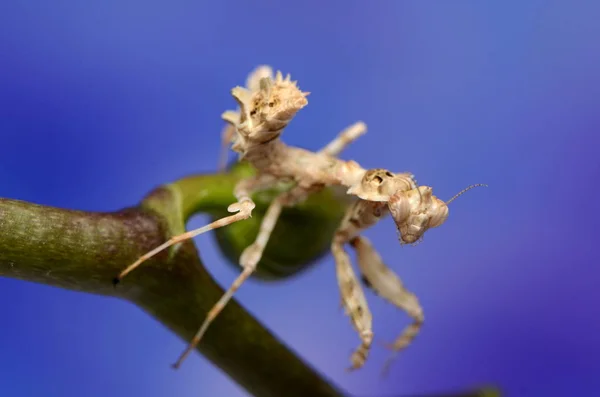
[266,106]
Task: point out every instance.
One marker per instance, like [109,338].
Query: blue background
[102,101]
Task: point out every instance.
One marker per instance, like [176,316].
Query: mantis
[266,105]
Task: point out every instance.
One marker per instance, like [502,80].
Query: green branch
[84,251]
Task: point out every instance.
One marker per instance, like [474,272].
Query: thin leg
[354,302]
[389,286]
[226,138]
[228,133]
[243,207]
[253,253]
[212,314]
[248,260]
[347,136]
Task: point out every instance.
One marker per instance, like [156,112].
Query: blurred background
[100,102]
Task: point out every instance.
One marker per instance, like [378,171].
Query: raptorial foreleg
[354,303]
[388,285]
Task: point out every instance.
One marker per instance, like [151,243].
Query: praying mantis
[266,105]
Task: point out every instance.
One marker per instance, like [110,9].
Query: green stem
[84,251]
[205,194]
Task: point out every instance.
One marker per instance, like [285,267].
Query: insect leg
[352,296]
[243,207]
[354,303]
[248,260]
[228,134]
[389,286]
[347,136]
[226,139]
[253,253]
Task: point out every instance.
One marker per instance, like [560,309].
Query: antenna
[464,191]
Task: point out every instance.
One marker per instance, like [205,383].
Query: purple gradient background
[102,101]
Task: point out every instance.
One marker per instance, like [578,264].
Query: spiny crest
[267,110]
[260,72]
[237,141]
[231,116]
[279,78]
[281,98]
[243,95]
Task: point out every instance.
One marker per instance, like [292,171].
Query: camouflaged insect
[266,105]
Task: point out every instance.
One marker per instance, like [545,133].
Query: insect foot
[359,357]
[244,207]
[410,303]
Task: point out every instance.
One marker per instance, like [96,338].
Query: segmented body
[266,106]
